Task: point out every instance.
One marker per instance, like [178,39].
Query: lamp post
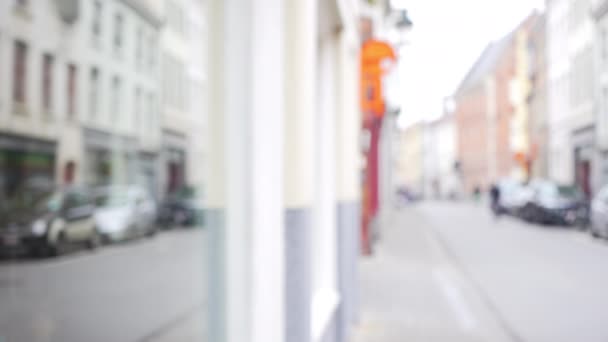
[400,25]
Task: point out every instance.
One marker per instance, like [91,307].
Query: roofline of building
[599,11]
[153,18]
[463,86]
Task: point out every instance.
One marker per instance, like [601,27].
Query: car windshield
[569,192]
[508,187]
[113,199]
[551,190]
[546,189]
[36,200]
[50,202]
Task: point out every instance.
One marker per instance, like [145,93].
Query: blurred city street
[146,290]
[450,272]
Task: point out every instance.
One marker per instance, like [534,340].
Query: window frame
[48,66]
[117,40]
[96,23]
[71,87]
[94,80]
[20,58]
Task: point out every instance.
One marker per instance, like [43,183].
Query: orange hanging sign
[373,54]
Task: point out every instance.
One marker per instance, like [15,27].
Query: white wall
[324,287]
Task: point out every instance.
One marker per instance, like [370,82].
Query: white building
[449,178]
[430,161]
[600,15]
[79,90]
[570,92]
[439,157]
[197,77]
[558,92]
[183,45]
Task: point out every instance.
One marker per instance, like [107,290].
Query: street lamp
[399,25]
[404,21]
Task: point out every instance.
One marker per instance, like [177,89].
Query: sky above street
[447,38]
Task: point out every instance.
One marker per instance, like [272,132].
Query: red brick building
[494,106]
[483,114]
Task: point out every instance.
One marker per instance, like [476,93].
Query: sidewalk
[412,291]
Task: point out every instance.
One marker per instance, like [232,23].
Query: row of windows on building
[20,96]
[20,80]
[145,42]
[175,83]
[176,18]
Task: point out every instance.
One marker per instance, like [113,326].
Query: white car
[513,196]
[124,213]
[599,214]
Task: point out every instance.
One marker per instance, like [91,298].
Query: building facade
[81,77]
[411,163]
[537,99]
[571,97]
[600,34]
[441,177]
[483,105]
[558,91]
[494,100]
[177,44]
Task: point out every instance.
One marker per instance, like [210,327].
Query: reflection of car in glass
[45,222]
[556,204]
[124,213]
[599,214]
[181,209]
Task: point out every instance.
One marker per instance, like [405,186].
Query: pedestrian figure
[477,193]
[495,199]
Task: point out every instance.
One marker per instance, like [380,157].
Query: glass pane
[101,235]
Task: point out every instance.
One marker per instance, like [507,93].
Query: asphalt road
[451,272]
[132,292]
[540,283]
[443,272]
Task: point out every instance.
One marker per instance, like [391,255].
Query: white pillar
[324,234]
[300,85]
[244,185]
[348,185]
[299,165]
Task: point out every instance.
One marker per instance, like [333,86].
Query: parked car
[513,196]
[556,204]
[47,222]
[599,214]
[181,209]
[124,213]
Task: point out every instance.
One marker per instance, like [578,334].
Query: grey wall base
[331,333]
[297,274]
[349,247]
[298,278]
[215,224]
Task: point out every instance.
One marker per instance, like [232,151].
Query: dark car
[47,222]
[181,209]
[556,204]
